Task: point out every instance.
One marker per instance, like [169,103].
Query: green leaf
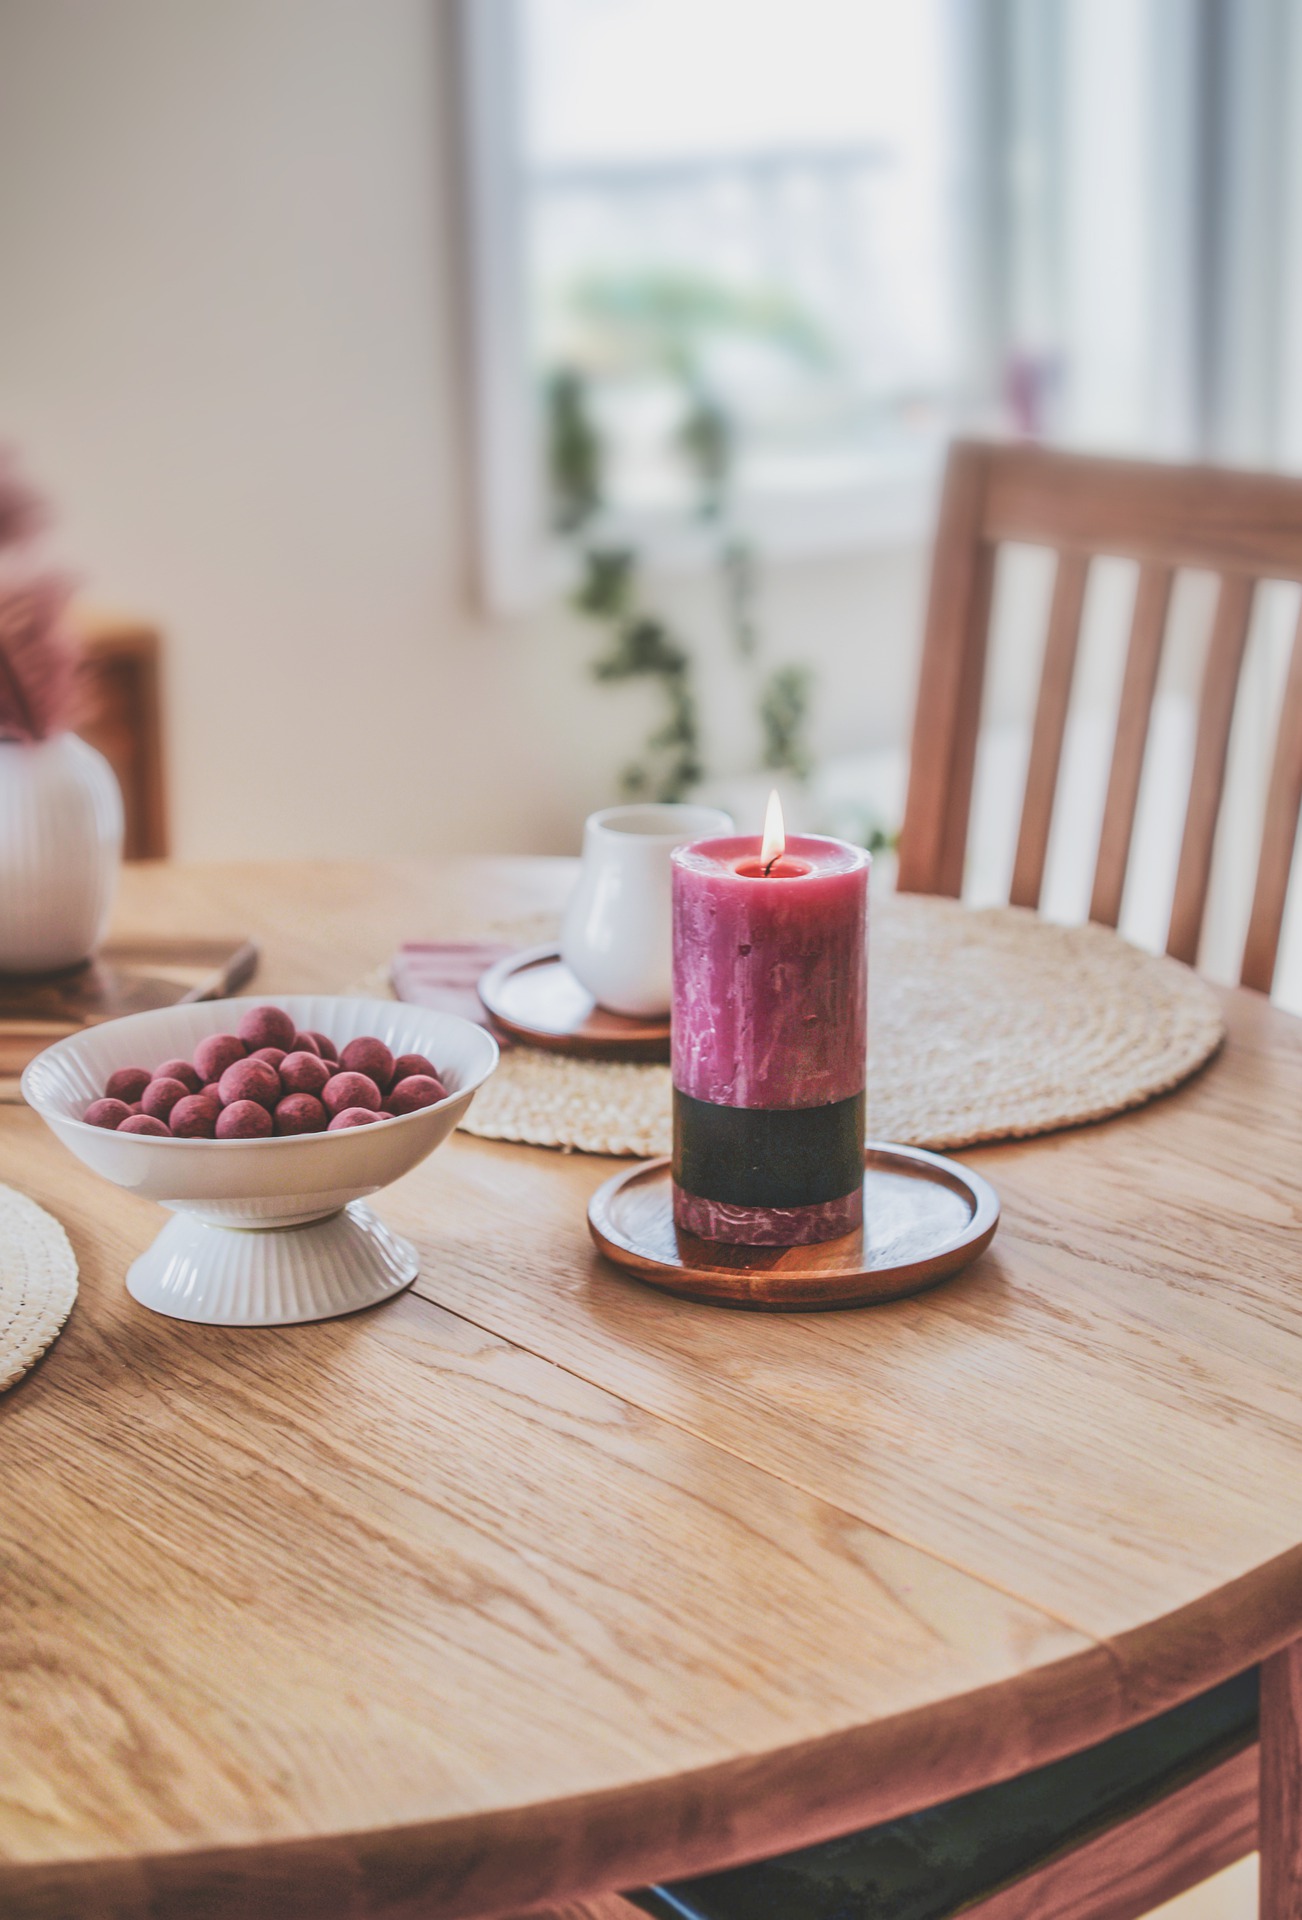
[576,457]
[784,713]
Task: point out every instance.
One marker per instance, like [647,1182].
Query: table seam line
[799,1486]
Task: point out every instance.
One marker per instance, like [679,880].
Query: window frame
[1219,283]
[517,561]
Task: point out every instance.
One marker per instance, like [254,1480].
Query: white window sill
[894,507]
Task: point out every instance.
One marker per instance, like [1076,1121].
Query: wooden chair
[120,712]
[1111,1832]
[1105,1834]
[1245,527]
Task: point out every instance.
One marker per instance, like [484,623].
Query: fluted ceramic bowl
[267,1232]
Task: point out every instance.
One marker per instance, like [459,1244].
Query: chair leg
[1281,1785]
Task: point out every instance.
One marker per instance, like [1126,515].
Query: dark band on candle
[768,1156]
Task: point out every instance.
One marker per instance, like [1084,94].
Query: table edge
[471,1866]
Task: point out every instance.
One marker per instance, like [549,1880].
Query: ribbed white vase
[60,849]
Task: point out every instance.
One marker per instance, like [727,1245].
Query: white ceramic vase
[60,849]
[616,937]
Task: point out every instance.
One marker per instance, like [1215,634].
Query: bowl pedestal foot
[272,1276]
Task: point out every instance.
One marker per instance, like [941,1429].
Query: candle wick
[771,864]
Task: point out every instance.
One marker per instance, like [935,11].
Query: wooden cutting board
[124,977]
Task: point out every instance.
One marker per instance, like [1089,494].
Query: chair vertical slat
[1279,835]
[1280,1820]
[1215,716]
[934,834]
[962,760]
[1050,726]
[1143,658]
[1244,527]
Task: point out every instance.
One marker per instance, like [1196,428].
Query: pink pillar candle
[770,1040]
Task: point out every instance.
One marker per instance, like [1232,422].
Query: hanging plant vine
[660,321]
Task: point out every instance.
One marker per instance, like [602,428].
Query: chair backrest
[1244,527]
[120,712]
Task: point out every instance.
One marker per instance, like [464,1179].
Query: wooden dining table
[536,1582]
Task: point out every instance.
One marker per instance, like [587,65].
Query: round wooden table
[537,1582]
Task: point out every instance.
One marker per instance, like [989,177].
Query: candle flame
[775,833]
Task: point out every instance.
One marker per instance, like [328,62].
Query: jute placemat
[38,1283]
[983,1026]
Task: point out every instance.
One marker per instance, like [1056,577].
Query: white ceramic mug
[616,935]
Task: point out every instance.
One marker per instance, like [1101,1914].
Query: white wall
[230,346]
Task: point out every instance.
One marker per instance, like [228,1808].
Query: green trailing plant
[575,453]
[664,323]
[783,710]
[639,644]
[738,567]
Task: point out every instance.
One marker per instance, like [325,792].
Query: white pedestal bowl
[267,1232]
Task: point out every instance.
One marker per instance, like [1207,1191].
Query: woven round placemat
[983,1026]
[38,1283]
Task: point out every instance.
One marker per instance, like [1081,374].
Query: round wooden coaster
[535,998]
[924,1217]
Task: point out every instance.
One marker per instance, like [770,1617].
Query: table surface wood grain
[538,1581]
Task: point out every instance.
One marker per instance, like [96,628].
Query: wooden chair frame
[121,713]
[1250,1799]
[1245,527]
[1121,1873]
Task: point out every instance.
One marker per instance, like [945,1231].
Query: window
[742,206]
[729,228]
[811,238]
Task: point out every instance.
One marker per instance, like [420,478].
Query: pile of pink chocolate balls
[267,1078]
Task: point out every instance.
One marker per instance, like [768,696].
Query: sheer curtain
[1146,166]
[1143,183]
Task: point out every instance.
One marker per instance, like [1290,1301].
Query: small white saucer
[250,1277]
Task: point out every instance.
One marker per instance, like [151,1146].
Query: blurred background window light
[858,228]
[750,200]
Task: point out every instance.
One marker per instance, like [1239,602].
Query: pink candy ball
[195,1117]
[249,1080]
[243,1120]
[266,1027]
[353,1117]
[179,1070]
[160,1096]
[300,1113]
[407,1064]
[128,1083]
[267,1077]
[369,1056]
[213,1055]
[416,1091]
[303,1072]
[351,1090]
